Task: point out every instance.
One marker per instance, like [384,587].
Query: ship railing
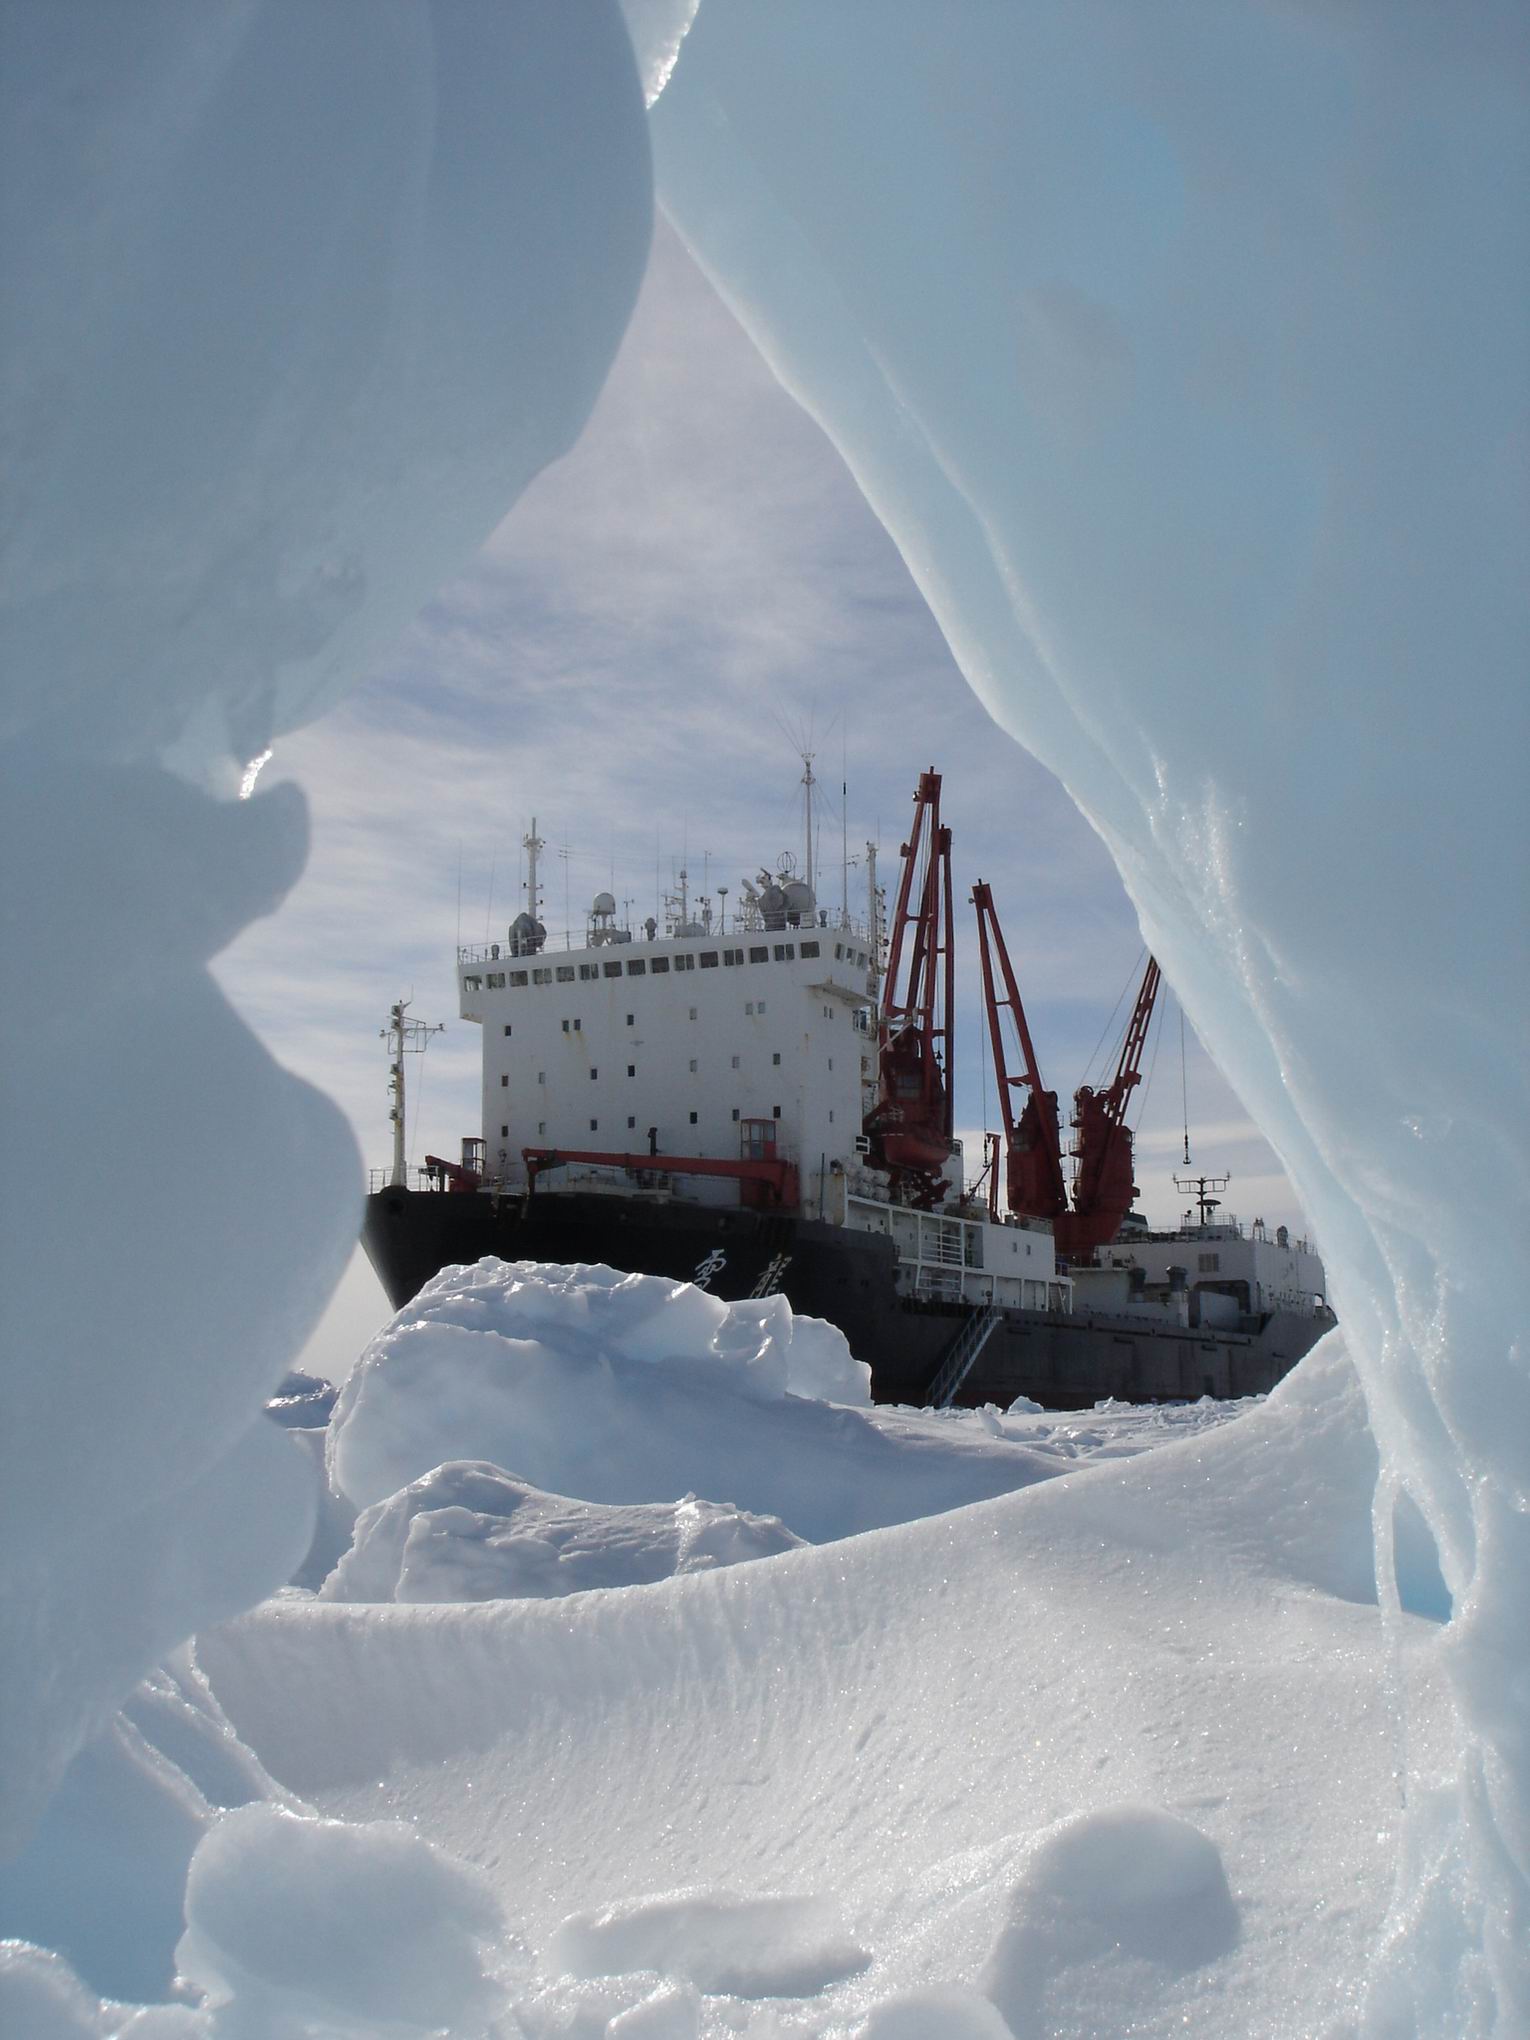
[561,941]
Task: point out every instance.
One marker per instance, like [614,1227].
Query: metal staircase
[962,1357]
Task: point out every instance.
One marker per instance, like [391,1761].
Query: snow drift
[631,1388]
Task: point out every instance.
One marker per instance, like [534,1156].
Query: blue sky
[630,658]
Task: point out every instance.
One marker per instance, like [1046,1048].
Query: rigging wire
[1131,978]
[1147,1082]
[1184,1083]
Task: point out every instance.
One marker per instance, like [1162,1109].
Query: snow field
[1112,1748]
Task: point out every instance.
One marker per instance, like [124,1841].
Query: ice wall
[297,300]
[1182,352]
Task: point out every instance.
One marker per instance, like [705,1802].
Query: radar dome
[605,903]
[799,901]
[773,906]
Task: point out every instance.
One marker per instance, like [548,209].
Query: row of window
[658,966]
[734,1062]
[504,1131]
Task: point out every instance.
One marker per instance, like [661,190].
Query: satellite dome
[605,903]
[799,900]
[773,906]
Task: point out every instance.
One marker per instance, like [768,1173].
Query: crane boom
[1103,1188]
[1032,1148]
[911,1125]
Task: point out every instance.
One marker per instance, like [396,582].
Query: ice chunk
[934,2012]
[623,1389]
[468,1532]
[41,1998]
[361,1929]
[1182,354]
[727,1945]
[294,312]
[1110,1903]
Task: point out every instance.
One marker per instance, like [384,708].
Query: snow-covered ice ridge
[596,1761]
[1182,353]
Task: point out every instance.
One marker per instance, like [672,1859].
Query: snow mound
[726,1945]
[1110,1903]
[627,1389]
[337,1928]
[469,1532]
[936,2012]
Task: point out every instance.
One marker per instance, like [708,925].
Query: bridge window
[519,977]
[611,969]
[784,952]
[638,967]
[810,948]
[565,973]
[660,965]
[760,955]
[541,977]
[731,956]
[709,959]
[588,971]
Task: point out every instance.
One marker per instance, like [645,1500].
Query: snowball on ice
[468,1532]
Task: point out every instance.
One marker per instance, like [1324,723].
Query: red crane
[910,1126]
[1102,1186]
[1032,1150]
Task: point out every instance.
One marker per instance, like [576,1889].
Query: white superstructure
[725,1044]
[714,1045]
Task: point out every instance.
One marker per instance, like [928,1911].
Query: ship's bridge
[699,1043]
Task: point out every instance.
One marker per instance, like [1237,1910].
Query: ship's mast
[808,783]
[873,912]
[532,844]
[403,1036]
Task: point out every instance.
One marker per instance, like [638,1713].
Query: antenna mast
[808,783]
[531,845]
[403,1037]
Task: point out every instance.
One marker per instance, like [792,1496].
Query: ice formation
[293,313]
[1182,355]
[468,1532]
[1181,351]
[622,1389]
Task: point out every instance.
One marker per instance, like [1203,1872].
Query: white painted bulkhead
[674,1044]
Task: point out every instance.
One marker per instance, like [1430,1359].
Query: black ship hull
[1062,1360]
